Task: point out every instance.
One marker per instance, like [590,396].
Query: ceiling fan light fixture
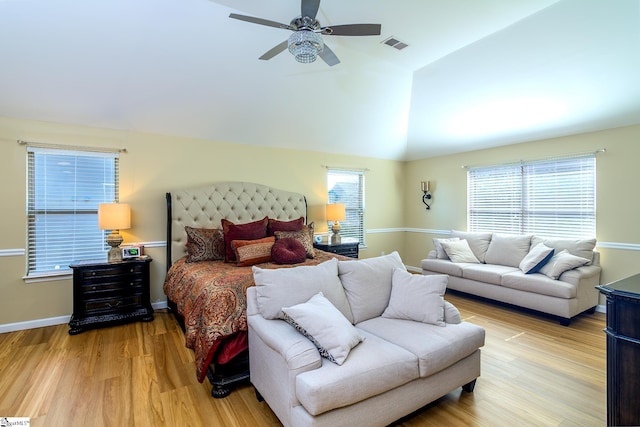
[305,45]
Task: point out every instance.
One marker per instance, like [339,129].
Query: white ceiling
[477,73]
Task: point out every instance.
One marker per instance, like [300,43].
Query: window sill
[48,277]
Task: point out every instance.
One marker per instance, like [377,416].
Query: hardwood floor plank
[535,372]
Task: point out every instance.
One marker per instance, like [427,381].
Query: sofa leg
[468,387]
[565,322]
[258,395]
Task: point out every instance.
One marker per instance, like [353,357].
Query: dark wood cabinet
[109,293]
[347,247]
[623,351]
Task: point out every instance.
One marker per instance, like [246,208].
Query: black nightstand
[109,293]
[348,247]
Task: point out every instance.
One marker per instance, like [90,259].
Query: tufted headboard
[239,202]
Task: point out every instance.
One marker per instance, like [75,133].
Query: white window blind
[552,198]
[346,186]
[64,190]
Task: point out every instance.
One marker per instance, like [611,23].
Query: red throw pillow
[276,225]
[249,231]
[288,251]
[250,252]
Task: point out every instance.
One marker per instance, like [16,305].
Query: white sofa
[397,365]
[563,287]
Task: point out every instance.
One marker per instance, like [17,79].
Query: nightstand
[110,293]
[348,247]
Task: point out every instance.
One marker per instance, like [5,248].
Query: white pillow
[561,262]
[537,257]
[327,328]
[283,287]
[417,297]
[459,251]
[437,244]
[478,241]
[367,283]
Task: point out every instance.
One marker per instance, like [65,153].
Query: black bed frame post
[169,219]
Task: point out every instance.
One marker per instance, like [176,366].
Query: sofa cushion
[488,273]
[561,262]
[327,328]
[437,244]
[578,247]
[538,256]
[416,297]
[459,251]
[538,284]
[478,241]
[367,284]
[284,287]
[373,367]
[435,347]
[507,249]
[443,266]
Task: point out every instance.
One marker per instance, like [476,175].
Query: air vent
[395,43]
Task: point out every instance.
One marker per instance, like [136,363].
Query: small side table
[109,293]
[347,247]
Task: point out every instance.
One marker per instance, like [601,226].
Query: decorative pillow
[288,251]
[561,262]
[478,241]
[459,251]
[204,244]
[249,231]
[327,328]
[582,248]
[304,236]
[250,252]
[507,249]
[537,257]
[367,283]
[284,287]
[417,297]
[275,225]
[437,244]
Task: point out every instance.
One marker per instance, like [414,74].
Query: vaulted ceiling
[476,73]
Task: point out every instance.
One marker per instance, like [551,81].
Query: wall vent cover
[395,43]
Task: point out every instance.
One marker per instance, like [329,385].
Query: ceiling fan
[305,43]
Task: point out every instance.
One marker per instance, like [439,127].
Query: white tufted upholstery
[239,202]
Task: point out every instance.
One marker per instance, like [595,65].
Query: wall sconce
[424,186]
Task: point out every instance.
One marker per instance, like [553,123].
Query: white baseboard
[53,321]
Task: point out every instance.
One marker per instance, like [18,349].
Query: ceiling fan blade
[352,30]
[328,56]
[261,21]
[274,51]
[310,8]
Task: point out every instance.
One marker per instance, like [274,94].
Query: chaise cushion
[488,273]
[539,284]
[284,287]
[373,367]
[443,266]
[506,249]
[435,347]
[367,283]
[323,324]
[416,297]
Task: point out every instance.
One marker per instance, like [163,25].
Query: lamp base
[336,239]
[114,240]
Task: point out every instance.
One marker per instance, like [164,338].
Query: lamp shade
[336,212]
[114,216]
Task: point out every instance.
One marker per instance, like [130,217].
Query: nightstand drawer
[105,305]
[115,271]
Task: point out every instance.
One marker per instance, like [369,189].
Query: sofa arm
[451,313]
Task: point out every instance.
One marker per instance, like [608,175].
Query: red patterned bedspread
[211,297]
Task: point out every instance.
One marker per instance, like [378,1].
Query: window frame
[354,209]
[50,206]
[551,197]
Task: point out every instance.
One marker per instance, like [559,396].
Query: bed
[208,298]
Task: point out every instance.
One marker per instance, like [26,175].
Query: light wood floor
[534,372]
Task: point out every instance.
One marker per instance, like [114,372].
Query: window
[346,186]
[552,198]
[64,190]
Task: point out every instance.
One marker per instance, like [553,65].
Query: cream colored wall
[156,164]
[617,208]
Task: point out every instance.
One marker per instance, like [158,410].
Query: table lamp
[114,217]
[336,213]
